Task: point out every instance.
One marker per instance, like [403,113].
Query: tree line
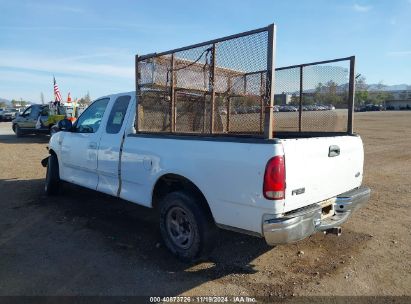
[14,103]
[364,96]
[331,93]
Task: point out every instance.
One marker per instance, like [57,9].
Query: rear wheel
[52,185]
[187,227]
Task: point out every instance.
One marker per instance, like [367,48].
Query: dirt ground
[85,243]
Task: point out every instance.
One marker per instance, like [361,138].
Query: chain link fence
[225,87]
[314,97]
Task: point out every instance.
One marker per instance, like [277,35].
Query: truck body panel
[315,172]
[229,173]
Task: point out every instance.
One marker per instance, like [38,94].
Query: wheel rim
[179,227]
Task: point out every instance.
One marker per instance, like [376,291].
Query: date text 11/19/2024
[203,299]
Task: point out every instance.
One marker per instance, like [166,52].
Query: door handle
[333,151]
[92,145]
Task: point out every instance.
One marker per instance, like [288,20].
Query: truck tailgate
[321,168]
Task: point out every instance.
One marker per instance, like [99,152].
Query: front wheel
[187,227]
[52,185]
[17,130]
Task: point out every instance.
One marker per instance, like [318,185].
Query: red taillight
[274,179]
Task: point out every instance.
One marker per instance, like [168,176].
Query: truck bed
[230,170]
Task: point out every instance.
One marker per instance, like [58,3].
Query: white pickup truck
[281,189]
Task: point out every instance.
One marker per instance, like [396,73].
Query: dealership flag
[57,95]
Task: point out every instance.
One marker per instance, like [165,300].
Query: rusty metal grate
[219,87]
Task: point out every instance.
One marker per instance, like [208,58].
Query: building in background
[399,100]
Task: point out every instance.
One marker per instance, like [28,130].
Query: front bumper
[301,223]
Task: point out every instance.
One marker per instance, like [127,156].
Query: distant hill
[8,102]
[4,100]
[395,87]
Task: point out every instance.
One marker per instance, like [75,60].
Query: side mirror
[65,125]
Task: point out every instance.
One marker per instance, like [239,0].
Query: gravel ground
[86,243]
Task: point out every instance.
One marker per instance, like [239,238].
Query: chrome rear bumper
[301,223]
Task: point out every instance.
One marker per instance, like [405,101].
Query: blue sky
[90,45]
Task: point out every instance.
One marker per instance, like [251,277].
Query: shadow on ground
[83,242]
[25,139]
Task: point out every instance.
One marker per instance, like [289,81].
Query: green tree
[85,100]
[3,104]
[361,91]
[327,94]
[379,96]
[20,102]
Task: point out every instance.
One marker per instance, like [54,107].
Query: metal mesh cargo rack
[226,87]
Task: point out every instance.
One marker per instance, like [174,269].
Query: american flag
[57,95]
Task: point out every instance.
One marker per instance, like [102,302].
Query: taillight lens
[274,179]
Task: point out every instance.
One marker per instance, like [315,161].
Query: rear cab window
[117,114]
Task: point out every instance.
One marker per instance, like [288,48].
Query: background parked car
[370,107]
[1,113]
[10,114]
[288,109]
[26,122]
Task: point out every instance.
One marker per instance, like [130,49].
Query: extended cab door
[110,144]
[32,118]
[79,147]
[27,119]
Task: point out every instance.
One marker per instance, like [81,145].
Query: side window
[117,114]
[90,119]
[45,111]
[27,112]
[35,112]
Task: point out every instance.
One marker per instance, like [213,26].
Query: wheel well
[173,182]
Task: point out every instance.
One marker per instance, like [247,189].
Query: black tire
[18,131]
[197,240]
[52,185]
